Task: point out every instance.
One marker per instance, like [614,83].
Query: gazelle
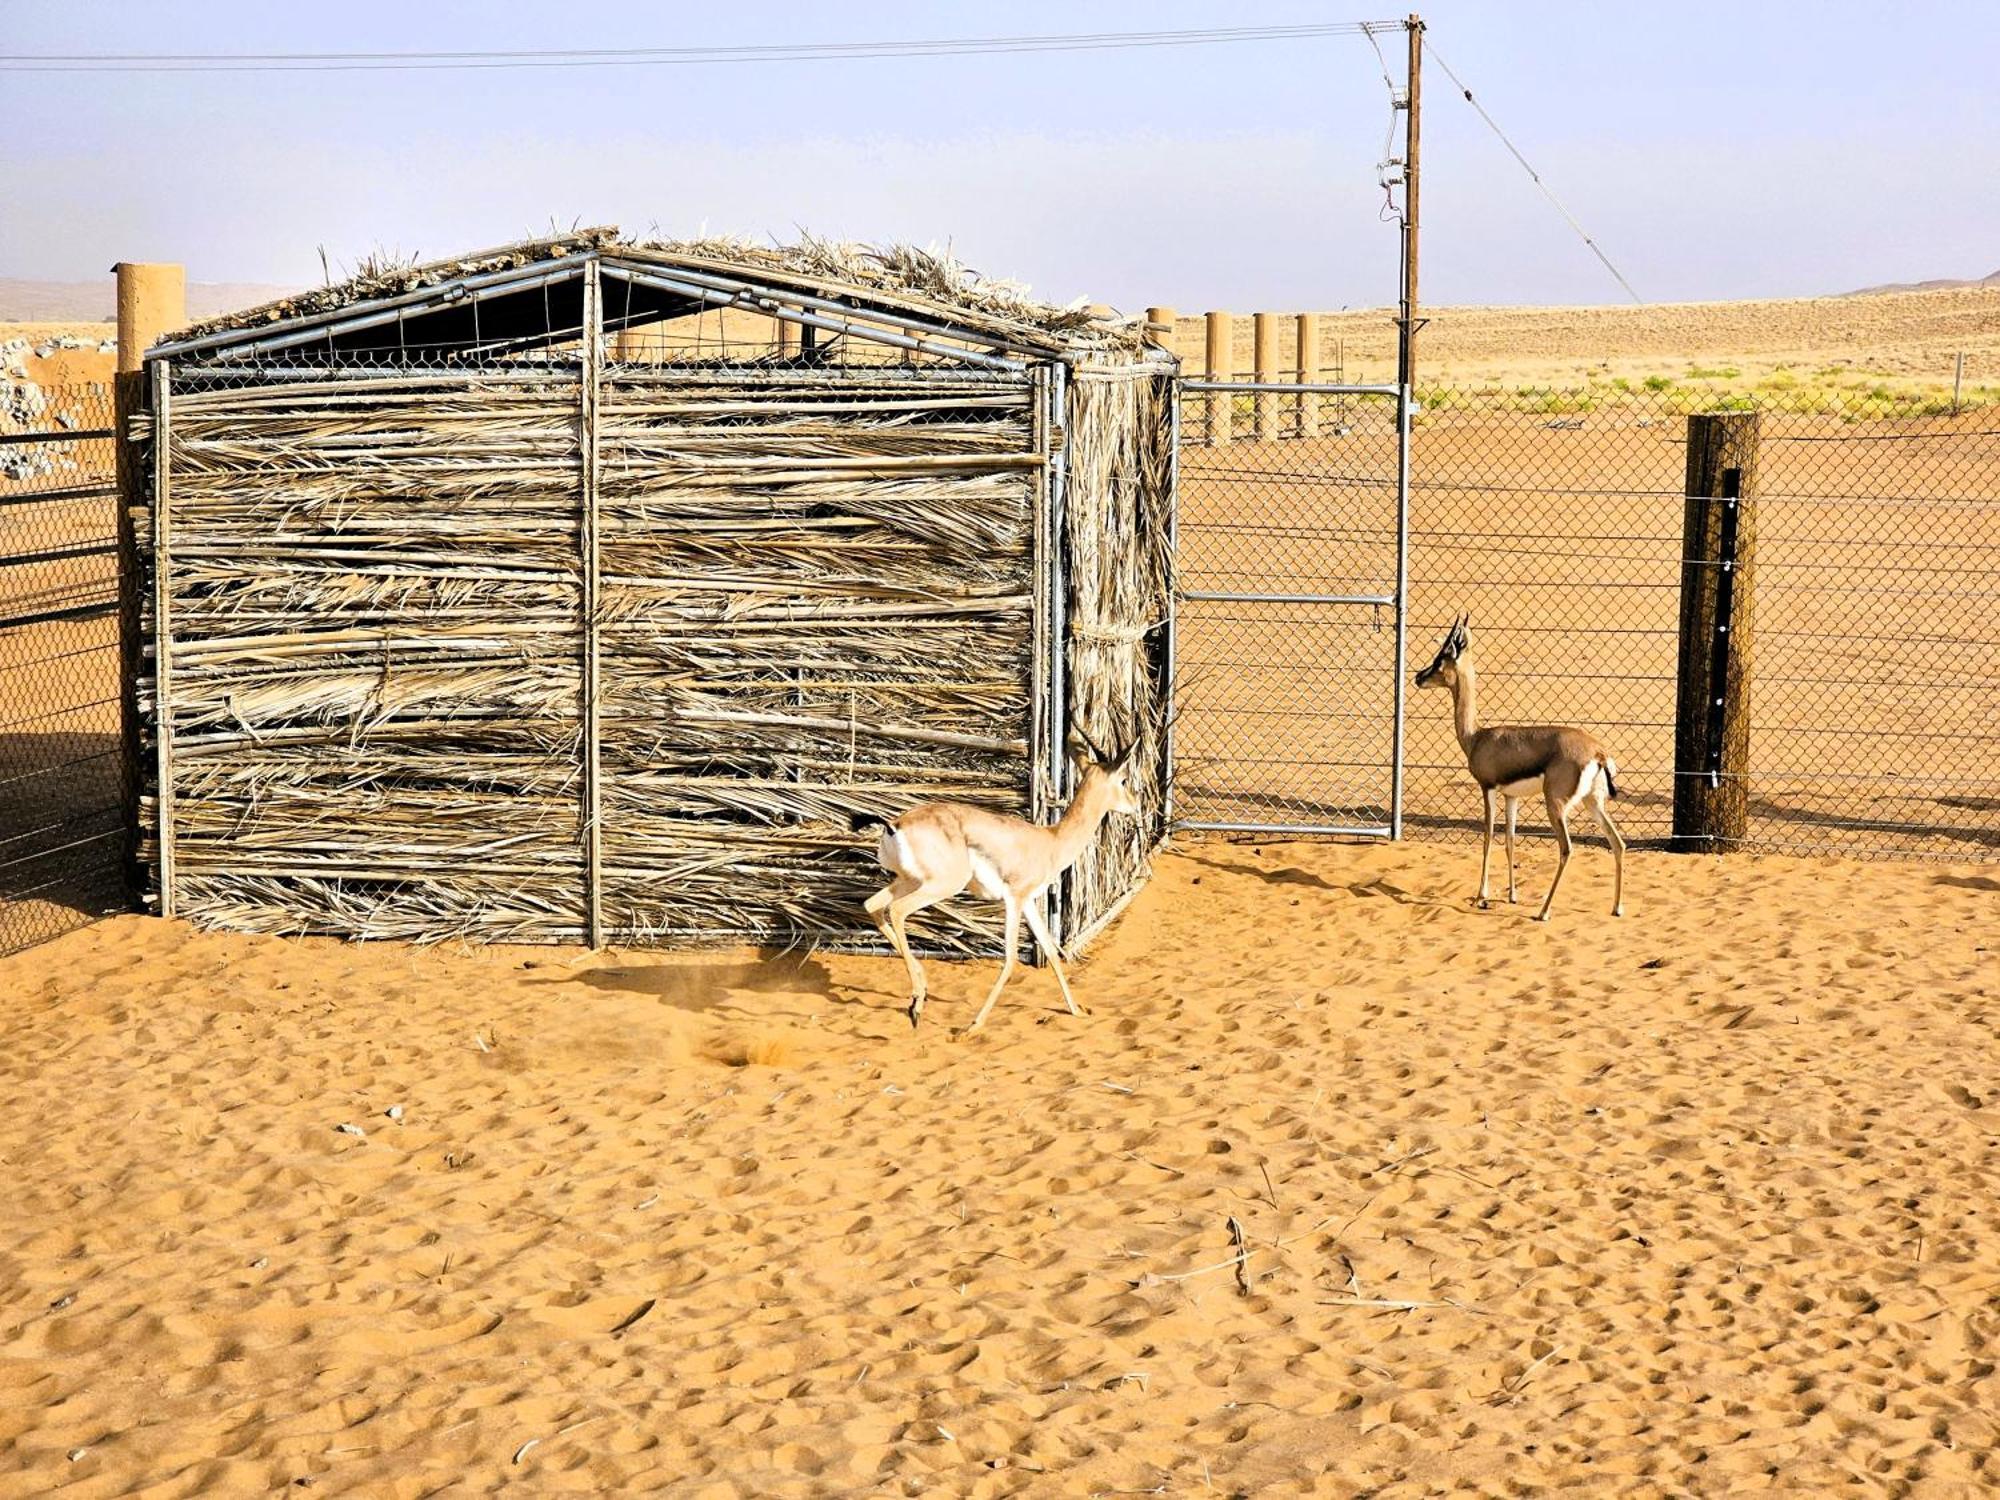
[1509,761]
[938,849]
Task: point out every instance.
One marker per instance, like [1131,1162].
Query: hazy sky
[1714,150]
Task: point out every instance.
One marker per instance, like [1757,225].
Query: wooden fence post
[1221,366]
[1264,341]
[1718,576]
[1160,323]
[1308,373]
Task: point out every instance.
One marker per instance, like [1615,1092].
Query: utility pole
[1406,343]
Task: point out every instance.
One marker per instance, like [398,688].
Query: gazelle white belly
[986,879]
[1532,787]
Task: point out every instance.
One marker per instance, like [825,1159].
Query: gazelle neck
[1465,705]
[1074,830]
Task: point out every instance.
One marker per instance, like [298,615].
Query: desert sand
[1697,1202]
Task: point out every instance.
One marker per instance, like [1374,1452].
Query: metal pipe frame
[1173,607]
[1204,597]
[1293,388]
[1403,409]
[1058,389]
[589,389]
[163,630]
[1345,830]
[325,325]
[710,281]
[772,306]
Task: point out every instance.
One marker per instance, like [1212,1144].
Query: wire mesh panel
[60,776]
[1285,632]
[1554,518]
[1875,698]
[1559,534]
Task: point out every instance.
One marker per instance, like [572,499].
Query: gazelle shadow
[715,988]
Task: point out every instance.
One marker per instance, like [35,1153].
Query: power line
[1547,192]
[348,62]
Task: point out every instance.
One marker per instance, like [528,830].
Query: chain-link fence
[61,804]
[1554,518]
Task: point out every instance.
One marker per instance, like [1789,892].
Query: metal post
[1406,379]
[1957,380]
[163,635]
[1058,612]
[591,376]
[1173,608]
[1402,608]
[1308,339]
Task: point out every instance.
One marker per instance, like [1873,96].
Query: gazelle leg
[1617,841]
[1558,820]
[1006,965]
[877,905]
[1032,910]
[914,899]
[1486,848]
[1513,807]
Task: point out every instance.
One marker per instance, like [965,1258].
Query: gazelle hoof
[1618,910]
[916,1009]
[1483,904]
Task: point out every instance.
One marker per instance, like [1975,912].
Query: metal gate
[1290,622]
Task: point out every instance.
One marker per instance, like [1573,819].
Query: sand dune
[1700,1202]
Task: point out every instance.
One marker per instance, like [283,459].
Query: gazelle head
[1111,772]
[1443,670]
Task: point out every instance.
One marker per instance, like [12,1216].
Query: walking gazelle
[938,849]
[1509,761]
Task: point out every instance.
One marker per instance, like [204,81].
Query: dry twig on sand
[1242,1256]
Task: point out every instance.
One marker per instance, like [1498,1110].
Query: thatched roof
[895,280]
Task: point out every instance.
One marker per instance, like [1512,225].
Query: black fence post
[1718,556]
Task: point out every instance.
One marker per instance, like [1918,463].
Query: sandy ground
[1696,1202]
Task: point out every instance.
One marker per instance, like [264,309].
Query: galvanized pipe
[774,307]
[1403,407]
[1357,830]
[1058,389]
[1215,598]
[1290,388]
[1173,607]
[713,282]
[438,293]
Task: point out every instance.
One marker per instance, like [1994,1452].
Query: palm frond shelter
[582,590]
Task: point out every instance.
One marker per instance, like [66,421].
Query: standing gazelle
[1511,760]
[938,849]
